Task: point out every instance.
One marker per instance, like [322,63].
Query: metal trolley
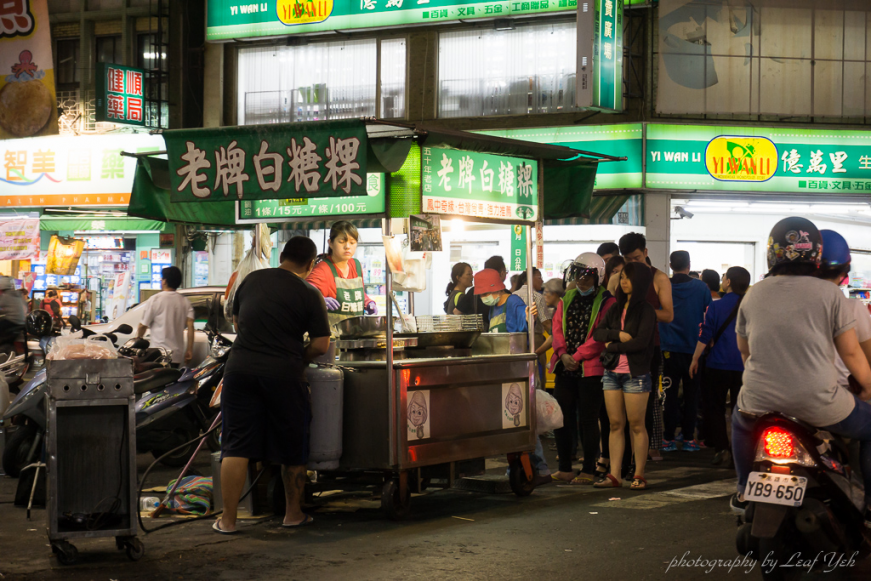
[91,455]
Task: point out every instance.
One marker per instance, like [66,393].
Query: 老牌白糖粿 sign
[120,94]
[754,159]
[268,162]
[479,185]
[229,19]
[300,209]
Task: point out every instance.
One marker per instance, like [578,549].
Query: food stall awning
[601,210]
[568,174]
[96,223]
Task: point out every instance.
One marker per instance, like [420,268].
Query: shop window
[790,60]
[318,82]
[507,72]
[110,49]
[67,68]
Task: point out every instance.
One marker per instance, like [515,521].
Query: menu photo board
[120,94]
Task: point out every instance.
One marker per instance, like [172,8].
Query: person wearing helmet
[690,299]
[835,268]
[789,328]
[576,364]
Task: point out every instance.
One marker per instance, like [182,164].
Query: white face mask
[490,300]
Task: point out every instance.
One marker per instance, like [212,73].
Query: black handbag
[609,360]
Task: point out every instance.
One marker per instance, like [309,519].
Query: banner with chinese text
[19,239]
[518,248]
[268,162]
[479,185]
[757,159]
[86,170]
[28,106]
[600,55]
[120,95]
[373,203]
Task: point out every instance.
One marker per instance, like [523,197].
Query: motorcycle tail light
[780,446]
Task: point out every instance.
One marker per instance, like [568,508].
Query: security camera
[682,213]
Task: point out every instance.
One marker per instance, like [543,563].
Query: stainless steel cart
[91,455]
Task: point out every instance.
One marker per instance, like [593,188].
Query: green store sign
[293,209]
[756,159]
[231,19]
[478,185]
[621,140]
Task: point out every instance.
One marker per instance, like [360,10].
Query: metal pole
[530,319]
[391,384]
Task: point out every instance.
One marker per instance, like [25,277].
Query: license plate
[784,489]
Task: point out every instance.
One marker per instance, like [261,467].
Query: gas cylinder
[327,393]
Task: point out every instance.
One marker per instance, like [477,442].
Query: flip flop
[608,482]
[305,522]
[583,480]
[217,528]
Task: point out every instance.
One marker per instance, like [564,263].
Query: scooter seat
[155,379]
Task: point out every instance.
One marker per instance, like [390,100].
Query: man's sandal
[608,482]
[583,480]
[638,483]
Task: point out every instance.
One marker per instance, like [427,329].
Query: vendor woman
[507,311]
[339,277]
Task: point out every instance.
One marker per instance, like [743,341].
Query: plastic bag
[73,346]
[192,497]
[549,416]
[247,265]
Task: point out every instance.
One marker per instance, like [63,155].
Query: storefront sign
[789,160]
[27,97]
[120,96]
[268,161]
[620,140]
[600,55]
[518,248]
[480,185]
[70,171]
[161,256]
[167,240]
[231,19]
[374,202]
[19,239]
[104,243]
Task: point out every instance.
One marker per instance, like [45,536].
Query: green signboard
[231,19]
[756,159]
[325,159]
[608,56]
[480,185]
[120,94]
[298,209]
[621,140]
[518,248]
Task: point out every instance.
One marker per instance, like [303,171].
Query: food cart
[412,401]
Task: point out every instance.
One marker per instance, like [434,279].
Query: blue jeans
[626,383]
[856,426]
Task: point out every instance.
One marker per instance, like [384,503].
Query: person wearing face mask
[507,311]
[339,277]
[576,364]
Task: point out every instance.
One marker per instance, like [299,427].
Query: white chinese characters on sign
[467,175]
[444,173]
[342,161]
[506,179]
[790,161]
[838,158]
[196,162]
[524,180]
[274,170]
[230,169]
[304,164]
[816,163]
[486,178]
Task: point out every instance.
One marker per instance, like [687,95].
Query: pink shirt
[623,366]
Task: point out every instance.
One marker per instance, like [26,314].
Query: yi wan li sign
[304,160]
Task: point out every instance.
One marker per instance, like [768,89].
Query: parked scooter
[167,418]
[27,410]
[804,499]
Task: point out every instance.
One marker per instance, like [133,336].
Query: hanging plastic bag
[248,264]
[549,416]
[73,346]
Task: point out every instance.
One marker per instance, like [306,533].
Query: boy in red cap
[507,311]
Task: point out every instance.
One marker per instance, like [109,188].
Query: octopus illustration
[514,402]
[26,65]
[417,413]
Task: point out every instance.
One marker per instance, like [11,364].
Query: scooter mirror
[124,329]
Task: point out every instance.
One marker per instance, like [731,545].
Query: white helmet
[586,263]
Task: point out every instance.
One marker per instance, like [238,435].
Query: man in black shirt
[265,399]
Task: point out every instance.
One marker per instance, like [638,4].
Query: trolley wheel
[66,553]
[394,506]
[520,485]
[135,549]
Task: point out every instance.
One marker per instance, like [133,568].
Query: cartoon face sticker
[514,402]
[417,413]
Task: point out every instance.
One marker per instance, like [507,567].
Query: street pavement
[680,529]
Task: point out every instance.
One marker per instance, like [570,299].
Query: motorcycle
[168,417]
[803,498]
[28,414]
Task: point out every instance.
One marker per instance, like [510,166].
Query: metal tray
[459,339]
[357,327]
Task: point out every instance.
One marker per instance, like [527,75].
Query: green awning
[100,224]
[601,210]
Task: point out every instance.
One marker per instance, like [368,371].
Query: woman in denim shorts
[628,332]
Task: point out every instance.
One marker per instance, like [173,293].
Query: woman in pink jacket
[576,364]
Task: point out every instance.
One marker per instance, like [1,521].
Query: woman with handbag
[575,362]
[628,332]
